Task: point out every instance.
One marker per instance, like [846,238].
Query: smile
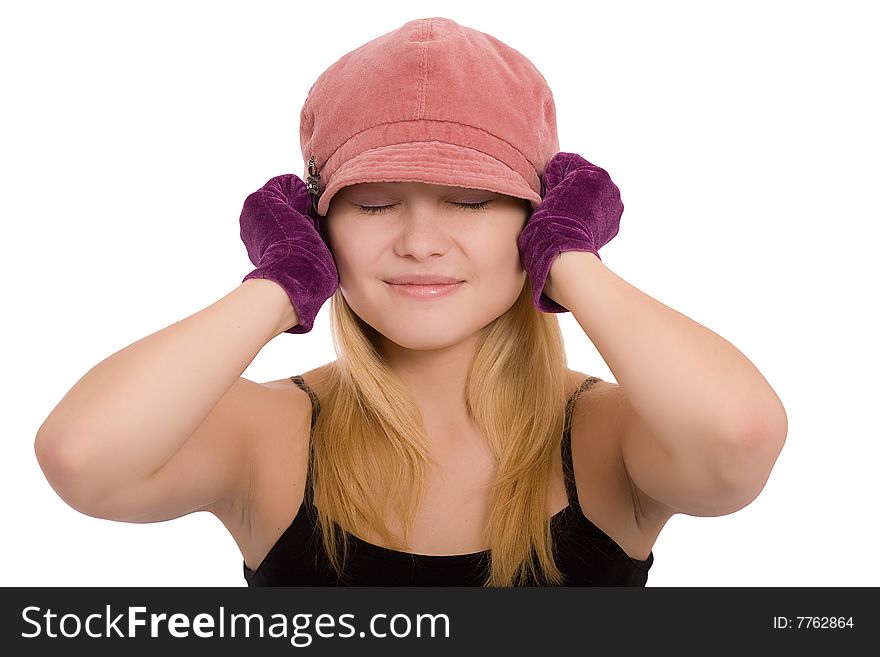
[426,292]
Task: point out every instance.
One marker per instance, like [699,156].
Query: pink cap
[431,102]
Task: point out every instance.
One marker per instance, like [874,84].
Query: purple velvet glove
[283,239]
[579,211]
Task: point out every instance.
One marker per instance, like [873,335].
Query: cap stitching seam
[501,139]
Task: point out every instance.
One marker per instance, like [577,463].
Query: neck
[436,378]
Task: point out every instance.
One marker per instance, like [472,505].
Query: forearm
[686,382]
[134,410]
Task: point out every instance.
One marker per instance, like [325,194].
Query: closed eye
[376,209]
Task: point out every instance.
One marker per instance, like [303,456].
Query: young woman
[449,443]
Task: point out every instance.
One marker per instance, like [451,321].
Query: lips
[423,279]
[425,292]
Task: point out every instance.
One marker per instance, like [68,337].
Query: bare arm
[132,412]
[699,427]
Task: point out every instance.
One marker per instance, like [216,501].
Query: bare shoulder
[314,379]
[288,432]
[605,492]
[279,467]
[275,447]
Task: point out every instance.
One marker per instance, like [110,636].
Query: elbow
[59,466]
[763,432]
[55,454]
[48,453]
[752,453]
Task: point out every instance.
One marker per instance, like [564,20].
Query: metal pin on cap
[313,183]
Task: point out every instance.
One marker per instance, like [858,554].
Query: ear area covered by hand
[580,211]
[282,235]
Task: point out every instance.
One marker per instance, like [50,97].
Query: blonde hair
[370,450]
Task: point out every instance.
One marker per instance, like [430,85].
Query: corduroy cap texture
[435,102]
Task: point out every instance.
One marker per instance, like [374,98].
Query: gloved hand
[579,211]
[282,234]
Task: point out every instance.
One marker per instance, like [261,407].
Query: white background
[743,138]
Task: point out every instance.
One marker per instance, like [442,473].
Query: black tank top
[585,554]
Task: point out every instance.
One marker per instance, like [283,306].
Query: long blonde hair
[370,450]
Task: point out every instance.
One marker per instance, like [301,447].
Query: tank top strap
[316,408]
[567,463]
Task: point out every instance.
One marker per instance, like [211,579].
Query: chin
[425,336]
[428,325]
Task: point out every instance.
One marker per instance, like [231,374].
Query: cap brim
[432,162]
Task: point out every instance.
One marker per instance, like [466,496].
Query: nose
[423,231]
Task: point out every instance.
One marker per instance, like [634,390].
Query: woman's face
[418,228]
